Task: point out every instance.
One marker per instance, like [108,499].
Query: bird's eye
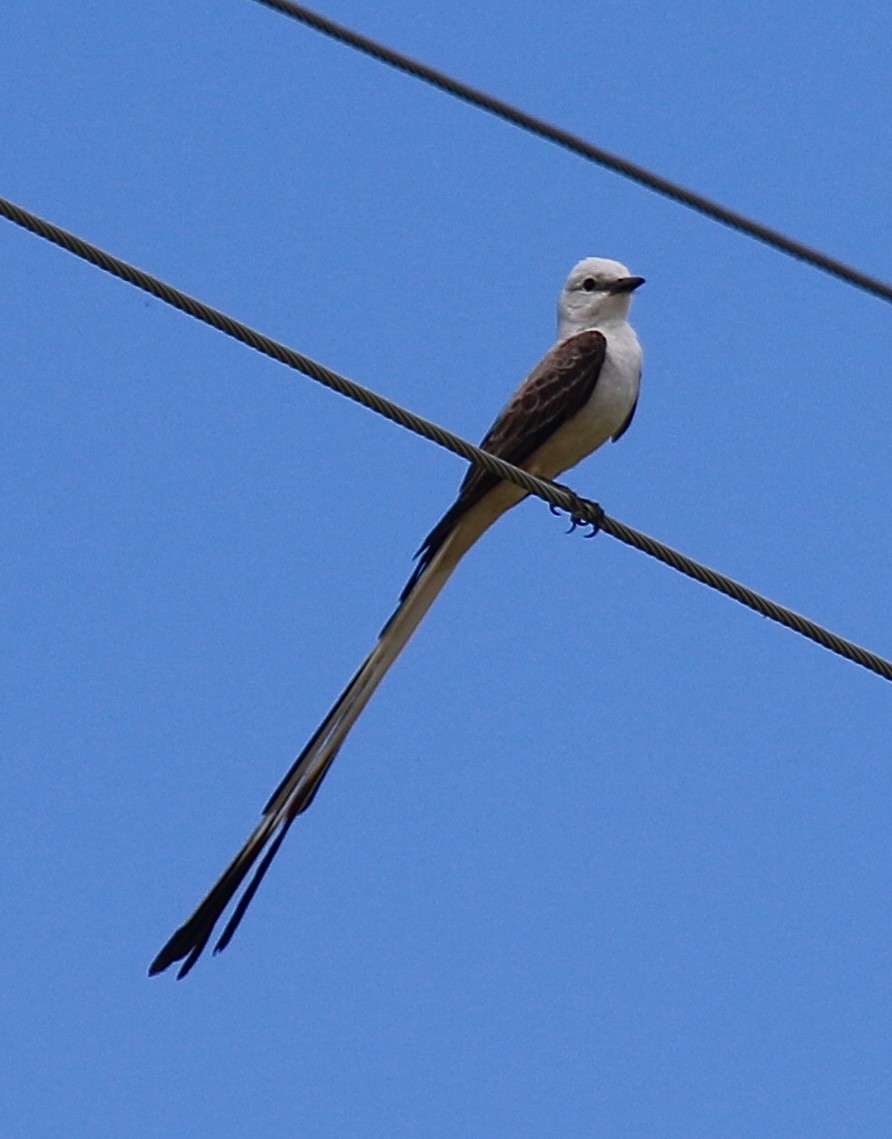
[589,284]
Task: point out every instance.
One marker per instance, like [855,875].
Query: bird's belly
[607,409]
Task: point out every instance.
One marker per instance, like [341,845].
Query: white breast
[606,411]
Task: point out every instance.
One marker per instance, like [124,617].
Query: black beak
[626,284]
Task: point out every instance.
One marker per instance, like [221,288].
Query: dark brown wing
[558,387]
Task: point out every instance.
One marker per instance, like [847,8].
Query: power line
[584,149]
[579,508]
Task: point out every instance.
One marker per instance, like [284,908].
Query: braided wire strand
[581,147]
[581,509]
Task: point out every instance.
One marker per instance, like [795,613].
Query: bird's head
[597,292]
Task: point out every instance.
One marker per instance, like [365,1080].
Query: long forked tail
[296,791]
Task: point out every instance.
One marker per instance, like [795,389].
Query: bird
[582,393]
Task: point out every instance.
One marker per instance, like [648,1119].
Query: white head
[597,292]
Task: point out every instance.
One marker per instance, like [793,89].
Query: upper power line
[581,509]
[580,146]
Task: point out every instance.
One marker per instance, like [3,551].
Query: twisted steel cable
[581,510]
[580,146]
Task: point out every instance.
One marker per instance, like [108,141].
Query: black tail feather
[245,900]
[299,786]
[284,784]
[190,939]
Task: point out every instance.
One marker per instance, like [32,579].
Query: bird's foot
[580,508]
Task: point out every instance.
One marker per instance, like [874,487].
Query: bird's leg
[578,511]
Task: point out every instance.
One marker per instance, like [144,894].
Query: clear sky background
[608,855]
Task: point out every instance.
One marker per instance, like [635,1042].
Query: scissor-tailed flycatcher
[582,393]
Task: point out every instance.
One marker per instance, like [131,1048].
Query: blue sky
[607,855]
